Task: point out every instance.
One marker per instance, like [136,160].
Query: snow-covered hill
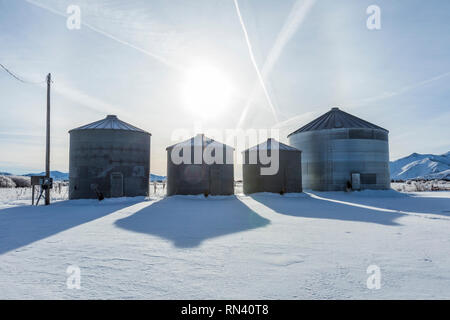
[421,166]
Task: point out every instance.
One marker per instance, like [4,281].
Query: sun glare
[206,90]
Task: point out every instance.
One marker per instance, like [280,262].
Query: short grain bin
[288,177]
[109,158]
[194,175]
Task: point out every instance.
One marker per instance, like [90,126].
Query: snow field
[315,245]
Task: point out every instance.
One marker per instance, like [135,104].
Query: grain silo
[109,157]
[189,173]
[288,177]
[340,150]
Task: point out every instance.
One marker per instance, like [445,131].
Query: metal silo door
[356,181]
[116,184]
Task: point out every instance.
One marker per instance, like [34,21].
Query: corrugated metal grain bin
[289,174]
[340,150]
[109,157]
[196,176]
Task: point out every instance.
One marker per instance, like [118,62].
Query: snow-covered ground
[413,186]
[22,196]
[316,245]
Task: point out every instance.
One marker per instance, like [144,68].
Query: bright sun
[206,90]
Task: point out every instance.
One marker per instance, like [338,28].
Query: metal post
[47,150]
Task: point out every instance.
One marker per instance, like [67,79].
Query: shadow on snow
[393,200]
[308,206]
[187,221]
[23,225]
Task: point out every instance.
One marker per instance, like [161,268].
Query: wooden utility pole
[47,149]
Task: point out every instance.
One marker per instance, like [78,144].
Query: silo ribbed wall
[330,156]
[96,156]
[202,178]
[287,179]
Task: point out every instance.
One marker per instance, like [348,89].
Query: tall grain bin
[289,174]
[110,157]
[193,175]
[339,149]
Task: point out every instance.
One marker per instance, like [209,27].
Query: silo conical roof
[336,119]
[111,122]
[199,140]
[272,144]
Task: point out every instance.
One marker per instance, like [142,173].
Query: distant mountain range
[155,177]
[414,166]
[56,175]
[421,166]
[59,176]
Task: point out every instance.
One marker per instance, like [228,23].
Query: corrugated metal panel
[287,179]
[330,157]
[335,119]
[200,178]
[111,122]
[111,162]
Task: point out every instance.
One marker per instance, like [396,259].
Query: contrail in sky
[307,116]
[84,99]
[402,90]
[295,19]
[252,58]
[81,97]
[110,36]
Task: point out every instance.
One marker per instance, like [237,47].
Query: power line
[19,78]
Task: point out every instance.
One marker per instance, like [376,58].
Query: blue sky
[129,59]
